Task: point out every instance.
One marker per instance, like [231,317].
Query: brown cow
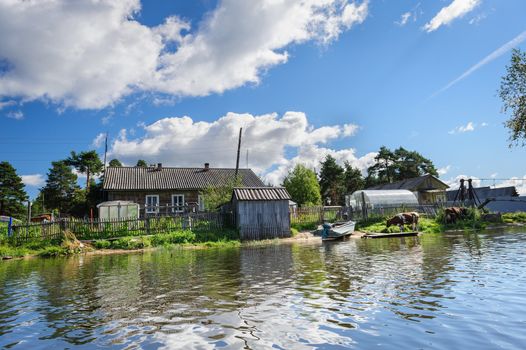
[452,214]
[404,218]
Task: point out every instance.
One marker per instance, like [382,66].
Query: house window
[152,203]
[178,203]
[201,202]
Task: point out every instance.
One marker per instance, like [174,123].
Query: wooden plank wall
[258,220]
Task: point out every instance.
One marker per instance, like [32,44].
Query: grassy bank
[69,244]
[474,220]
[184,237]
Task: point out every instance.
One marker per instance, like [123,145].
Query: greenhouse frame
[112,210]
[381,198]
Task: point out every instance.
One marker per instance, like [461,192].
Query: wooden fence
[102,229]
[310,217]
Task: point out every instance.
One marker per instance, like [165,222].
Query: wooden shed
[261,212]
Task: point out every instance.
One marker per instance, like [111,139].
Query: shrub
[53,251]
[131,243]
[215,236]
[102,244]
[13,251]
[175,237]
[125,243]
[305,226]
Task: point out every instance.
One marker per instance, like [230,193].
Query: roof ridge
[172,167]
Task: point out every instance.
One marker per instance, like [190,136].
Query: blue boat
[337,230]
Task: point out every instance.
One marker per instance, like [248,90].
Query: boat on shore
[337,230]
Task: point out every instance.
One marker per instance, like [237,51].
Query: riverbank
[179,239]
[70,245]
[474,221]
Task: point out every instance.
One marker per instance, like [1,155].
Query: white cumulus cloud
[444,170]
[274,143]
[16,115]
[89,54]
[454,183]
[98,141]
[448,14]
[470,126]
[519,183]
[404,18]
[5,104]
[34,180]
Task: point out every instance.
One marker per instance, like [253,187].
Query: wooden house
[428,189]
[261,212]
[164,190]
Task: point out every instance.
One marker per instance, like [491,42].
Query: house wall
[165,196]
[425,197]
[262,219]
[431,197]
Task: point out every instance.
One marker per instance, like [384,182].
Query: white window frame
[148,208]
[200,202]
[178,209]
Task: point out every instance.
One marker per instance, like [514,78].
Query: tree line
[334,181]
[61,192]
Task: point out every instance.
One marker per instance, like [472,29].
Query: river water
[438,291]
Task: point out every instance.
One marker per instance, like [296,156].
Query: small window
[201,202]
[152,203]
[178,203]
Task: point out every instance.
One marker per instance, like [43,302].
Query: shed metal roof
[168,178]
[261,194]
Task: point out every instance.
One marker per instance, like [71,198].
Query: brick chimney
[159,166]
[207,167]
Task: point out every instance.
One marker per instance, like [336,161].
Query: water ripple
[434,292]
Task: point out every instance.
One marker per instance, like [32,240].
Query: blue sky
[331,77]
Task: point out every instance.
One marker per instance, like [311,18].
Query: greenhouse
[381,198]
[118,210]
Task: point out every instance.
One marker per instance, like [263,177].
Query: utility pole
[238,150]
[247,158]
[105,151]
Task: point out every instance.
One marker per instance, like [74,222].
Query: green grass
[304,226]
[53,251]
[43,249]
[514,218]
[472,221]
[14,252]
[211,239]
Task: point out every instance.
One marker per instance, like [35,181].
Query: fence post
[147,225]
[62,225]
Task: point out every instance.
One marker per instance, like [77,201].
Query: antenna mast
[238,150]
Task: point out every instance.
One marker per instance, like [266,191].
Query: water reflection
[434,291]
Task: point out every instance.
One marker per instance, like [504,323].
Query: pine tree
[332,180]
[353,179]
[12,193]
[142,163]
[87,163]
[115,162]
[61,190]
